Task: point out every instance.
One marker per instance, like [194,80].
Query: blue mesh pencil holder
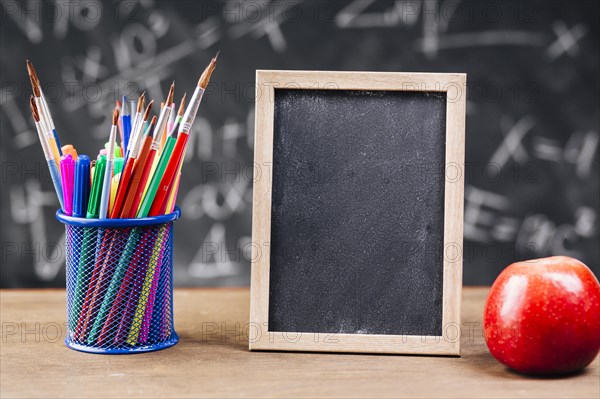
[119,284]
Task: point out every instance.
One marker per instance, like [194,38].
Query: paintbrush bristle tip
[182,105]
[147,112]
[170,95]
[206,74]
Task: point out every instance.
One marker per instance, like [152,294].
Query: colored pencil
[128,210]
[108,174]
[126,122]
[106,272]
[146,165]
[162,164]
[136,127]
[128,169]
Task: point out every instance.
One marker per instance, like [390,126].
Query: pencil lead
[118,104]
[205,77]
[124,110]
[170,95]
[115,117]
[182,105]
[148,108]
[34,110]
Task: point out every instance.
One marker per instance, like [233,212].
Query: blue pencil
[126,121]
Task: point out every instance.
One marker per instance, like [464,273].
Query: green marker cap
[118,166]
[93,210]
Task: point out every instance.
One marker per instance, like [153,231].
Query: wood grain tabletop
[212,359]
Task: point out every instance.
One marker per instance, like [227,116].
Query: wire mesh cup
[119,284]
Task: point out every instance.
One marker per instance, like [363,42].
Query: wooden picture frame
[454,85]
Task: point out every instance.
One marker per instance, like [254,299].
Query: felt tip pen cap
[103,151]
[117,149]
[118,165]
[69,149]
[67,170]
[93,209]
[81,190]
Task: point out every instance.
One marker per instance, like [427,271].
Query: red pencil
[128,210]
[127,171]
[168,177]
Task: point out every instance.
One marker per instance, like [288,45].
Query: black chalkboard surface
[354,220]
[532,179]
[359,212]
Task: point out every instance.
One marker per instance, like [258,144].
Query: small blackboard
[357,222]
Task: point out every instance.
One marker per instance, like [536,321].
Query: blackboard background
[355,233]
[532,186]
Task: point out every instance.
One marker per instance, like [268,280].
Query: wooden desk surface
[212,359]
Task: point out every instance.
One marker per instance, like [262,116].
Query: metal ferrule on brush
[191,110]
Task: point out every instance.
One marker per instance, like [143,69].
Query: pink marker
[67,174]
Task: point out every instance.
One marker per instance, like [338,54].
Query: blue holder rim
[116,223]
[171,341]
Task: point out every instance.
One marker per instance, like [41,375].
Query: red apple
[543,316]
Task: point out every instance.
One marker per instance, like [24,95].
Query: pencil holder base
[119,276]
[174,339]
